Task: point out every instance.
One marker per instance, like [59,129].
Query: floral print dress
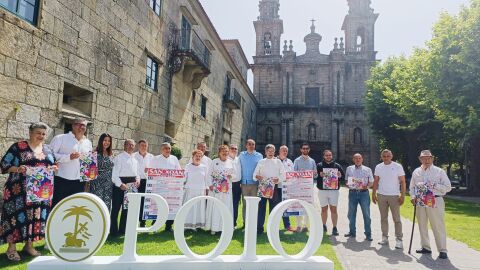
[22,221]
[103,185]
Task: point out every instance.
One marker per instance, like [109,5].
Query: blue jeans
[354,199]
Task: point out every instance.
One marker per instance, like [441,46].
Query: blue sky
[401,26]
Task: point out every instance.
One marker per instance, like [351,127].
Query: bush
[177,152]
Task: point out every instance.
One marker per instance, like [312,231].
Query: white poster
[298,185]
[168,184]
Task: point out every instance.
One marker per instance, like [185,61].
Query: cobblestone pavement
[360,254]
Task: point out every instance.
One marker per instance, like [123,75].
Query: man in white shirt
[277,196]
[67,149]
[390,184]
[143,157]
[125,170]
[268,168]
[236,185]
[436,178]
[165,161]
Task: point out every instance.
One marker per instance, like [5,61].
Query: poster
[424,195]
[169,185]
[266,187]
[131,188]
[330,178]
[88,166]
[39,184]
[221,181]
[298,185]
[357,183]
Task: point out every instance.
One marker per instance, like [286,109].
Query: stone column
[290,135]
[290,88]
[334,136]
[285,88]
[284,132]
[341,142]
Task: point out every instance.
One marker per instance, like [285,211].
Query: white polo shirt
[389,183]
[162,162]
[62,146]
[142,162]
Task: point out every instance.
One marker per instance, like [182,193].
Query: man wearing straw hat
[436,178]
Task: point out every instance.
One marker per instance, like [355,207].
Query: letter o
[316,230]
[225,238]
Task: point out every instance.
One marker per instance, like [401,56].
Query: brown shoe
[13,256]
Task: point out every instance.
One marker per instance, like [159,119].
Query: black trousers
[262,209]
[63,188]
[117,205]
[237,195]
[141,189]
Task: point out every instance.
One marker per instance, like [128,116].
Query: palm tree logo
[72,241]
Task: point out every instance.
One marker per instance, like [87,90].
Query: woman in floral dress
[24,221]
[103,186]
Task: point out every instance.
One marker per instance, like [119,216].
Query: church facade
[315,97]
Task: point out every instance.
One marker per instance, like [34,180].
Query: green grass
[462,220]
[201,242]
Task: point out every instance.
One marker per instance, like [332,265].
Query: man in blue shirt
[248,163]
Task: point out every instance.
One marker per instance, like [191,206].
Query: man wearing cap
[436,178]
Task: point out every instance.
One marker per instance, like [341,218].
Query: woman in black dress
[102,186]
[24,221]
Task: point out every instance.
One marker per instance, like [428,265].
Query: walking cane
[413,226]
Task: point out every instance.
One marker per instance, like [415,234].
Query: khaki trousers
[250,191]
[384,203]
[436,216]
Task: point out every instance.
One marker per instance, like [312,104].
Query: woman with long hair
[102,186]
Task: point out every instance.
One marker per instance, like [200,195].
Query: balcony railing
[192,44]
[232,98]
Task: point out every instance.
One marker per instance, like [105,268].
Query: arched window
[267,43]
[360,41]
[269,135]
[312,132]
[357,136]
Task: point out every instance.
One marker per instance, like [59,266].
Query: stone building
[141,69]
[315,97]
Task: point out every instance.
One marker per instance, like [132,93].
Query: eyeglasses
[231,148]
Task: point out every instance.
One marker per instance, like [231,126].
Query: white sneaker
[384,241]
[399,244]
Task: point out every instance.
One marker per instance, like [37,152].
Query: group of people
[229,177]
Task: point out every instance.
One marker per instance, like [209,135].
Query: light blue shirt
[248,163]
[301,164]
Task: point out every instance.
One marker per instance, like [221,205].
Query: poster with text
[266,187]
[168,184]
[298,185]
[39,184]
[88,166]
[131,188]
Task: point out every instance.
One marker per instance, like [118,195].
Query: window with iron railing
[26,9]
[191,42]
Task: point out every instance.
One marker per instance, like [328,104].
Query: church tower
[269,30]
[359,27]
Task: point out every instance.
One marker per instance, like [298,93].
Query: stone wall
[99,49]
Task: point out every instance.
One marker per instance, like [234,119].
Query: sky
[401,26]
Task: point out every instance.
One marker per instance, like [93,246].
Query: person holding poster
[359,180]
[67,149]
[222,174]
[236,186]
[125,177]
[277,195]
[269,173]
[196,184]
[436,180]
[25,220]
[102,186]
[304,163]
[143,157]
[331,173]
[390,183]
[165,161]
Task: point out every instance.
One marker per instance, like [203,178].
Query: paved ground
[359,254]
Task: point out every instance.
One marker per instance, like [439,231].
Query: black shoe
[443,255]
[369,238]
[350,235]
[168,229]
[423,251]
[335,231]
[324,228]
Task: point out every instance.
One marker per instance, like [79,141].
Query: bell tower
[359,27]
[269,28]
